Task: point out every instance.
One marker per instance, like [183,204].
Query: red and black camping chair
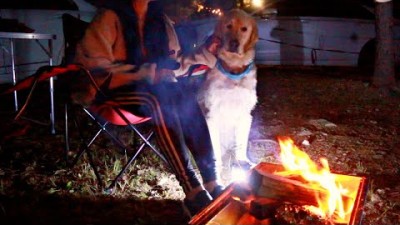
[108,115]
[105,116]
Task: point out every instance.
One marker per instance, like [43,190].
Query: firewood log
[266,184]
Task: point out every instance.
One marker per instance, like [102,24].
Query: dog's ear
[253,36]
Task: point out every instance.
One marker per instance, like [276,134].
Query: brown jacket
[103,47]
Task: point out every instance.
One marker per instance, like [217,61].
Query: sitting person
[132,51]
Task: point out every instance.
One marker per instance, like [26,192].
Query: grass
[360,168]
[138,179]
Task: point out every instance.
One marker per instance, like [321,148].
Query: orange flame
[331,205]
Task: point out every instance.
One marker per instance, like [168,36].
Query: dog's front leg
[215,139]
[242,132]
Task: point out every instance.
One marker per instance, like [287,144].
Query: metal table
[49,52]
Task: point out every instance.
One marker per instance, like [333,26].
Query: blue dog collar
[234,76]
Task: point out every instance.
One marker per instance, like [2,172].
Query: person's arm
[205,55]
[200,57]
[103,49]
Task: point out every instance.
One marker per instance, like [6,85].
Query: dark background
[345,8]
[69,4]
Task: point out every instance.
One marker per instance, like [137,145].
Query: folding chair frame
[85,146]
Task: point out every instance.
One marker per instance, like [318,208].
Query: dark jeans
[180,126]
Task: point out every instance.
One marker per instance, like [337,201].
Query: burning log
[244,204]
[263,208]
[265,183]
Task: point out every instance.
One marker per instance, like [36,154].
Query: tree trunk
[384,73]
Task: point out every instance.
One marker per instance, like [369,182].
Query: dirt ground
[329,112]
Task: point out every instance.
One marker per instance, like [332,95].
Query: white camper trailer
[29,52]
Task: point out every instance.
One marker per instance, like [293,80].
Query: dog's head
[237,31]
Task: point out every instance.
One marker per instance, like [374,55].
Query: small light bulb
[257,3]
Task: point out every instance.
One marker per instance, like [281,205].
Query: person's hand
[148,71]
[213,44]
[164,75]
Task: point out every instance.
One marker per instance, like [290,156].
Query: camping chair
[73,30]
[106,115]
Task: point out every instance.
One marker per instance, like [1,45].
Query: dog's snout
[234,45]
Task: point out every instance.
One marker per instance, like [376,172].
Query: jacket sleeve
[95,49]
[102,48]
[201,56]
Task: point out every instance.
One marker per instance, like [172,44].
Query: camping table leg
[52,119]
[49,52]
[14,76]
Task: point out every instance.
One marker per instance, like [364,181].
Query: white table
[49,52]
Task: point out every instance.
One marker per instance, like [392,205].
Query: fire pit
[276,194]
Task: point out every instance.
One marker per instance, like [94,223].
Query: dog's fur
[227,103]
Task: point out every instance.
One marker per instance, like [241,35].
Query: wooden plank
[287,189]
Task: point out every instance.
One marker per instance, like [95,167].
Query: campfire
[298,191]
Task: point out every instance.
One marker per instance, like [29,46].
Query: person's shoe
[200,201]
[217,191]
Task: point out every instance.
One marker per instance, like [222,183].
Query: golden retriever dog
[228,95]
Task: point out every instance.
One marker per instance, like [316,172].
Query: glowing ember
[298,163]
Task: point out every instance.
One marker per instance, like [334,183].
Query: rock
[321,124]
[305,143]
[304,132]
